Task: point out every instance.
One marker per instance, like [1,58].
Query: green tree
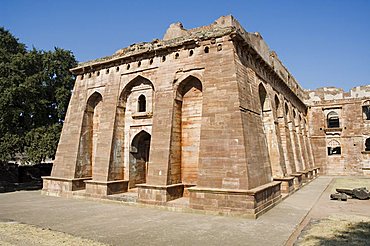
[35,88]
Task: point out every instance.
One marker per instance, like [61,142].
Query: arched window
[142,103]
[333,120]
[334,148]
[277,107]
[286,109]
[366,110]
[264,99]
[367,144]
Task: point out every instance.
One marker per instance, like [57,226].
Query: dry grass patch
[351,183]
[12,233]
[337,230]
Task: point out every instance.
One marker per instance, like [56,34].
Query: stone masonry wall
[209,111]
[351,134]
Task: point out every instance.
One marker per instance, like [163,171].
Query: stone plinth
[314,173]
[105,188]
[297,180]
[249,203]
[159,195]
[287,184]
[311,174]
[56,186]
[305,176]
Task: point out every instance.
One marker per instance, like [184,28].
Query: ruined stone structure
[339,125]
[209,114]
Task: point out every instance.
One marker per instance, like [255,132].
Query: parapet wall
[334,94]
[176,35]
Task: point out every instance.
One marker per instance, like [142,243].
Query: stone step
[124,197]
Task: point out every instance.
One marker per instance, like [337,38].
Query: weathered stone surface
[339,196]
[209,113]
[358,193]
[340,149]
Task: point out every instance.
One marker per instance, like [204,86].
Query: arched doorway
[139,157]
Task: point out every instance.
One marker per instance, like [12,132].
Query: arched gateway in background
[209,114]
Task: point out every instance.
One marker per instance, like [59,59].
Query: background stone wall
[351,134]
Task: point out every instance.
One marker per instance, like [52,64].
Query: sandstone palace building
[208,115]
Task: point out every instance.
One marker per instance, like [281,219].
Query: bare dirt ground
[332,222]
[13,233]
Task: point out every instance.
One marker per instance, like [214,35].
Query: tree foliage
[35,88]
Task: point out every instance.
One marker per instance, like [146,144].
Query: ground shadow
[357,233]
[14,177]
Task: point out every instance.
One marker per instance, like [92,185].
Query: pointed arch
[187,84]
[141,103]
[332,119]
[136,97]
[366,110]
[136,139]
[264,99]
[278,107]
[186,77]
[137,81]
[93,100]
[186,129]
[89,136]
[139,158]
[367,144]
[286,108]
[272,138]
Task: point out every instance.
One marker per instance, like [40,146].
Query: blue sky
[322,43]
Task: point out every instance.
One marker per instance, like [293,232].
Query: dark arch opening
[366,110]
[141,103]
[333,120]
[93,100]
[263,98]
[286,109]
[367,144]
[277,102]
[188,83]
[334,148]
[278,108]
[139,158]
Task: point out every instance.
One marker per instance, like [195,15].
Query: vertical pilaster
[295,147]
[63,177]
[285,144]
[102,183]
[301,152]
[305,144]
[158,171]
[273,145]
